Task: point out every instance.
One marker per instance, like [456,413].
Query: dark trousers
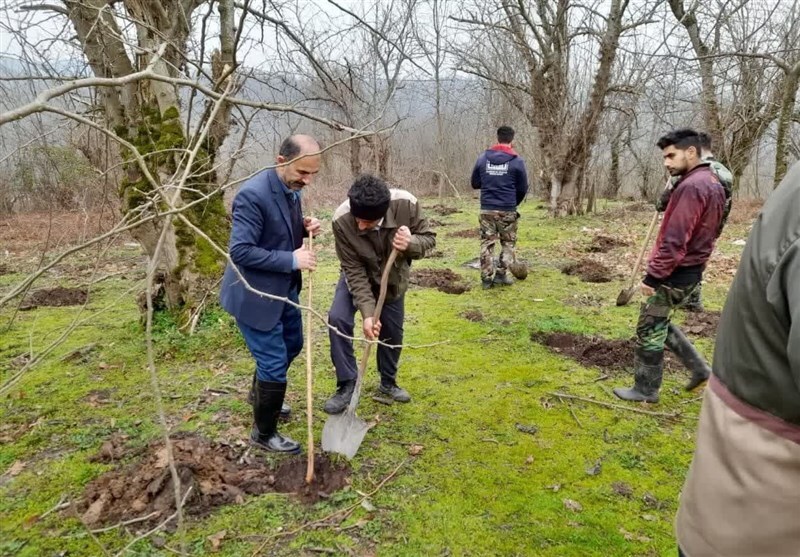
[274,350]
[342,316]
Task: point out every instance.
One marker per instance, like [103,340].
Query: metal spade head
[519,270]
[626,295]
[343,433]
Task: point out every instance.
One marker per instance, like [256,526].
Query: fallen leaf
[572,505]
[216,539]
[596,469]
[529,460]
[16,468]
[416,450]
[92,514]
[367,506]
[623,489]
[649,517]
[529,429]
[163,458]
[554,487]
[102,365]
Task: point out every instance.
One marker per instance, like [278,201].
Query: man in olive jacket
[743,489]
[366,227]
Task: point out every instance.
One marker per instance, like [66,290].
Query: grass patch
[479,485]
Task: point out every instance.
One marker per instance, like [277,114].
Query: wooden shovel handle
[646,242]
[309,378]
[379,305]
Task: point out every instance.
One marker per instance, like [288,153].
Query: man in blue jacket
[500,175]
[266,248]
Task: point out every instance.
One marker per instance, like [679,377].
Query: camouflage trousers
[695,301]
[502,226]
[655,315]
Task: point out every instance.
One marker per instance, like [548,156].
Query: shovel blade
[343,433]
[625,296]
[519,270]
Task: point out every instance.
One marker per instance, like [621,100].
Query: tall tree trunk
[614,183]
[355,157]
[146,114]
[785,118]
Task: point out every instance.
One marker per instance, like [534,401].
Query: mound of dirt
[437,223]
[467,233]
[443,210]
[473,315]
[604,244]
[588,271]
[54,297]
[608,355]
[4,270]
[443,280]
[703,323]
[217,475]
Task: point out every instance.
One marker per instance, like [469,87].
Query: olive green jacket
[362,254]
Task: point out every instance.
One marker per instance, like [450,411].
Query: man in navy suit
[267,249]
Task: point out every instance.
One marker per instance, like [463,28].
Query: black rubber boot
[269,397]
[689,357]
[286,410]
[502,279]
[341,398]
[648,373]
[694,303]
[486,283]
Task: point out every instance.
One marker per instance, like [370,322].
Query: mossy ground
[480,486]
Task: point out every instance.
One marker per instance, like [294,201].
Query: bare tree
[147,77]
[541,54]
[741,89]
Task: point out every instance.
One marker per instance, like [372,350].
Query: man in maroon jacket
[684,245]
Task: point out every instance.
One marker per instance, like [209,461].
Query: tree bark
[147,115]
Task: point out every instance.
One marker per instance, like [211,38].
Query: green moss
[479,487]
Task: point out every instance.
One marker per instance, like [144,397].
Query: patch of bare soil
[745,211]
[640,207]
[443,210]
[217,475]
[435,254]
[54,297]
[588,271]
[4,270]
[26,231]
[473,315]
[702,324]
[467,233]
[437,223]
[443,280]
[608,355]
[604,244]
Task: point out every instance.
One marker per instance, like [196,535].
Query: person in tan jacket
[742,492]
[373,221]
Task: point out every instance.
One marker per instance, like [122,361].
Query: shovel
[626,294]
[518,268]
[343,433]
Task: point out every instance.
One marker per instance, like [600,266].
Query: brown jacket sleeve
[354,273]
[423,239]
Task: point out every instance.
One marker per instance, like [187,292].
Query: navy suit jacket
[261,247]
